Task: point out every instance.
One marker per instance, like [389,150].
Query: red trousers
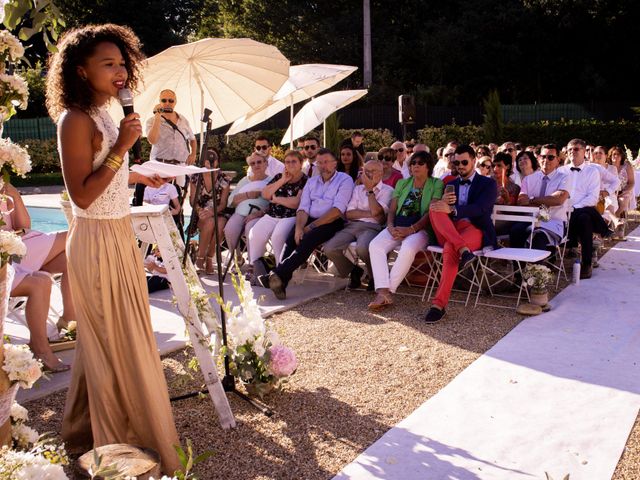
[452,236]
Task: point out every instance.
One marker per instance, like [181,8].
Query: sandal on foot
[57,368]
[199,264]
[380,301]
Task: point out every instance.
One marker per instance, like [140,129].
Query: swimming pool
[47,219]
[52,219]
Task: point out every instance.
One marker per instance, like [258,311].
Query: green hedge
[44,153]
[596,132]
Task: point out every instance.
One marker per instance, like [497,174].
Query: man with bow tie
[462,223]
[585,191]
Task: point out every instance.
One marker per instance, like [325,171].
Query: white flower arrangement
[29,465]
[635,163]
[20,365]
[256,353]
[11,49]
[537,277]
[543,214]
[14,92]
[13,159]
[12,248]
[18,413]
[23,436]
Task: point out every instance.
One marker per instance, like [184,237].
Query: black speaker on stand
[406,112]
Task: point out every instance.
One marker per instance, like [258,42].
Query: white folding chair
[516,213]
[435,272]
[517,256]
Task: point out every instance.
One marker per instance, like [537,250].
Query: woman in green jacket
[407,227]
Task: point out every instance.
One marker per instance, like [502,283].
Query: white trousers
[267,227]
[382,245]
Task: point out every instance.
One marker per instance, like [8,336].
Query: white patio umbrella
[230,76]
[317,110]
[304,82]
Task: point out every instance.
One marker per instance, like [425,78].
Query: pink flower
[282,361]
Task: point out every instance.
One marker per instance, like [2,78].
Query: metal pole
[367,67]
[291,121]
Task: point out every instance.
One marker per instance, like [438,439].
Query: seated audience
[546,187]
[311,147]
[32,279]
[390,176]
[262,147]
[319,216]
[349,162]
[607,204]
[462,223]
[157,278]
[356,140]
[584,192]
[442,168]
[507,190]
[407,227]
[484,166]
[283,192]
[526,164]
[483,151]
[365,213]
[402,162]
[247,200]
[626,197]
[203,209]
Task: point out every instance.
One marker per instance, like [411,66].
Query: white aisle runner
[559,394]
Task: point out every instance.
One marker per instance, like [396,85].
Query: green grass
[38,180]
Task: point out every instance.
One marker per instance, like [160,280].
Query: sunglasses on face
[547,157]
[167,100]
[309,147]
[262,147]
[410,146]
[385,158]
[485,165]
[510,150]
[417,162]
[256,162]
[449,154]
[398,150]
[461,162]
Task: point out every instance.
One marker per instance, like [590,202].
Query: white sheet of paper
[166,170]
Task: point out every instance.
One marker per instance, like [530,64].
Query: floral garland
[21,367]
[13,158]
[256,353]
[11,49]
[12,248]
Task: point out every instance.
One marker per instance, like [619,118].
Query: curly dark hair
[65,88]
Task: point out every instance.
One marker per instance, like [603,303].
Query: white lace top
[114,201]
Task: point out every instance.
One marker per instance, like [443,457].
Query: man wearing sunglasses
[547,187]
[262,147]
[443,167]
[170,135]
[462,223]
[310,152]
[401,164]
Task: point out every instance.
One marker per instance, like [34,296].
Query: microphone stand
[229,380]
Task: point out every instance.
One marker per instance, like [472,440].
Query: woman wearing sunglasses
[407,227]
[483,166]
[390,176]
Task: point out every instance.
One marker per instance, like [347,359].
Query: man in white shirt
[546,187]
[310,152]
[262,147]
[584,191]
[366,213]
[402,163]
[442,168]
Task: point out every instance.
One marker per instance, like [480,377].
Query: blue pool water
[52,219]
[47,219]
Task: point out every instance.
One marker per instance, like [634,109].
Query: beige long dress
[118,393]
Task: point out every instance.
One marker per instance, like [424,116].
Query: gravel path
[360,373]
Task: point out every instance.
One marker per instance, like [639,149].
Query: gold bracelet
[113,162]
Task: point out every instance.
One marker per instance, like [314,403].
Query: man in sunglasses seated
[402,162]
[443,167]
[262,147]
[547,187]
[320,215]
[310,152]
[462,223]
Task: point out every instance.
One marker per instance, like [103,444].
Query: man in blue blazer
[462,223]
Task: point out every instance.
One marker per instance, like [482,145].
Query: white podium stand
[154,224]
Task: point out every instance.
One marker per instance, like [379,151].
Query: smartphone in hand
[450,194]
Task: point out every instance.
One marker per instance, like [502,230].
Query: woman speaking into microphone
[118,393]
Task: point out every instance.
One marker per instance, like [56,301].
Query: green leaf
[202,457]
